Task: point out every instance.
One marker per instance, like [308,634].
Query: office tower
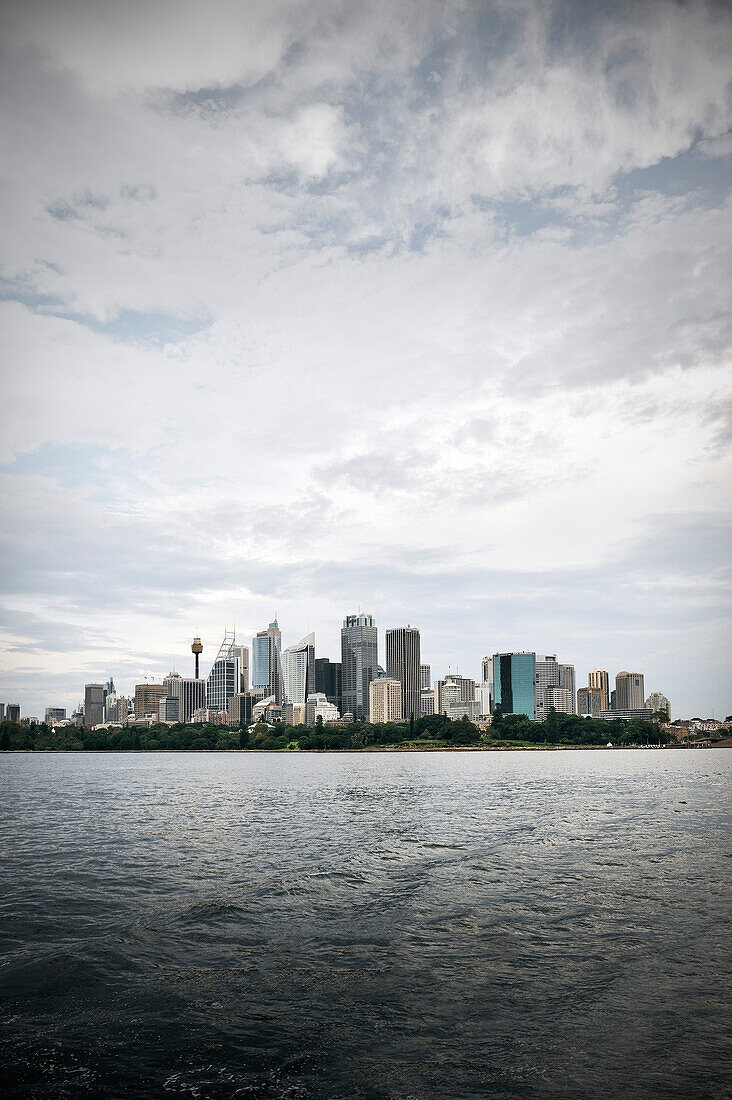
[172,683]
[426,703]
[12,712]
[242,651]
[514,689]
[455,697]
[484,698]
[589,702]
[328,680]
[298,670]
[385,700]
[546,675]
[192,698]
[658,701]
[93,705]
[425,678]
[567,682]
[403,664]
[317,706]
[629,691]
[240,708]
[2,712]
[266,668]
[54,715]
[359,658]
[169,708]
[196,650]
[147,700]
[116,709]
[598,678]
[223,680]
[486,671]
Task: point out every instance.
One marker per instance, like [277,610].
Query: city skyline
[551,683]
[418,306]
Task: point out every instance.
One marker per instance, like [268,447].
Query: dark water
[392,925]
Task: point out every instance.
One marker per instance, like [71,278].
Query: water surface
[404,925]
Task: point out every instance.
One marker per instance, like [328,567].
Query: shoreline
[370,749]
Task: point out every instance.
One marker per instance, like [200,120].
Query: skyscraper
[93,705]
[425,678]
[298,670]
[514,683]
[55,714]
[147,700]
[658,701]
[359,659]
[328,680]
[223,679]
[599,678]
[629,691]
[403,664]
[266,662]
[589,702]
[385,700]
[242,651]
[192,698]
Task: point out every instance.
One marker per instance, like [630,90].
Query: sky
[419,308]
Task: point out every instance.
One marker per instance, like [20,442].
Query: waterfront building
[266,670]
[567,682]
[629,691]
[590,702]
[484,698]
[192,698]
[12,713]
[2,712]
[293,714]
[486,671]
[169,709]
[223,679]
[54,715]
[455,697]
[116,709]
[558,699]
[242,652]
[328,680]
[172,684]
[658,701]
[240,708]
[598,678]
[403,665]
[93,705]
[147,700]
[318,706]
[359,659]
[426,703]
[298,670]
[425,678]
[385,700]
[514,683]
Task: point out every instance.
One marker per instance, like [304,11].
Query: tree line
[435,730]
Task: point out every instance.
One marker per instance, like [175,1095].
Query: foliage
[432,730]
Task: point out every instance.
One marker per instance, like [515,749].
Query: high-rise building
[385,700]
[116,709]
[484,698]
[266,671]
[328,680]
[425,678]
[658,701]
[2,712]
[317,706]
[514,688]
[599,678]
[147,700]
[359,660]
[629,691]
[298,670]
[403,664]
[567,682]
[223,680]
[93,705]
[12,712]
[192,698]
[486,671]
[169,708]
[453,689]
[589,702]
[54,715]
[426,703]
[242,651]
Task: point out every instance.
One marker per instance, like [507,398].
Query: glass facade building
[298,670]
[359,662]
[514,687]
[266,671]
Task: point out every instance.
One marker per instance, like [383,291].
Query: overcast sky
[416,307]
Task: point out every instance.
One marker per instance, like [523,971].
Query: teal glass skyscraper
[514,679]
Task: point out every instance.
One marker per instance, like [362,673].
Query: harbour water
[386,925]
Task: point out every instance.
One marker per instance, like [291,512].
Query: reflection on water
[545,924]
